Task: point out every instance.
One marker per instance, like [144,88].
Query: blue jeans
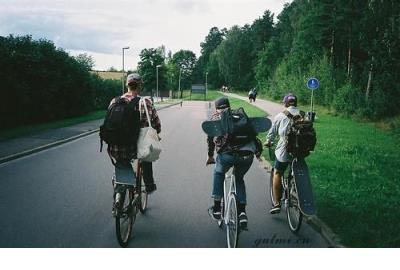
[223,163]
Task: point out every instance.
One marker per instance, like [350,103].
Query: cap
[290,99]
[133,78]
[222,103]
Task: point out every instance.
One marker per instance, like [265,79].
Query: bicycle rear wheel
[232,226]
[125,219]
[293,212]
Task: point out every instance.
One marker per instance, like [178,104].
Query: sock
[217,205]
[241,207]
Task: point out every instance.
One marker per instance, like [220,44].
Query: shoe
[275,209]
[151,188]
[243,220]
[215,213]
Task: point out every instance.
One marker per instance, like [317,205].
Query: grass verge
[211,95]
[29,129]
[355,175]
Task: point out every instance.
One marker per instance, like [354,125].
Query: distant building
[109,75]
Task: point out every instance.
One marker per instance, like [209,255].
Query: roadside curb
[315,223]
[59,142]
[44,147]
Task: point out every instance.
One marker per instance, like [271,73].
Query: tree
[147,66]
[184,62]
[85,60]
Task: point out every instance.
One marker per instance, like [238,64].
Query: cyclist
[280,126]
[252,95]
[240,158]
[124,154]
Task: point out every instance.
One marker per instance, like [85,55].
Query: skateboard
[215,128]
[303,186]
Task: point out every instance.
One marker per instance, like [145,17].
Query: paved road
[61,197]
[270,107]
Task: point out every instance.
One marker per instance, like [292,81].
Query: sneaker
[215,213]
[151,188]
[243,220]
[275,209]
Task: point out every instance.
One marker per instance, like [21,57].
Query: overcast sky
[102,27]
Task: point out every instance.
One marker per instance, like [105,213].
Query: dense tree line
[352,46]
[40,83]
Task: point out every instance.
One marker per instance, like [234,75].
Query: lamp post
[123,68]
[157,79]
[206,83]
[180,75]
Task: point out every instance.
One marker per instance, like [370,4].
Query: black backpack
[122,123]
[301,136]
[240,129]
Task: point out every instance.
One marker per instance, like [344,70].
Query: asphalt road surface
[62,197]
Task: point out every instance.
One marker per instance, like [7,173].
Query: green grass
[356,179]
[30,129]
[34,128]
[211,95]
[355,175]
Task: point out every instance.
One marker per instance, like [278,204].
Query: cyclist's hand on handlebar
[210,160]
[268,144]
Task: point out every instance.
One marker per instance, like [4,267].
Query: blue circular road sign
[312,84]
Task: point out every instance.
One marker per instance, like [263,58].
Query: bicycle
[290,197]
[125,214]
[230,213]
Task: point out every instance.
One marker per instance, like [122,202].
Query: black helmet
[222,103]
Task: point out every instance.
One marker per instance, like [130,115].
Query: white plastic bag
[149,146]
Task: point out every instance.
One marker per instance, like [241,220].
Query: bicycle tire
[271,187]
[221,222]
[293,212]
[125,219]
[232,224]
[143,196]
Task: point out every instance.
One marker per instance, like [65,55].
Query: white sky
[102,27]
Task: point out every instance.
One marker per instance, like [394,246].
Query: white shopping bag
[149,146]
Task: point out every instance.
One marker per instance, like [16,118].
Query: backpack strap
[142,102]
[288,114]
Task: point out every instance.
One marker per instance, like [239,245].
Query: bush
[41,83]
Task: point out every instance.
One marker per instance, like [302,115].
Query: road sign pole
[312,100]
[312,84]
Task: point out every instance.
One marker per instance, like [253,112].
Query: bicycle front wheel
[271,187]
[125,219]
[232,227]
[293,212]
[143,197]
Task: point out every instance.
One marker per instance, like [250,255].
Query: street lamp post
[123,68]
[157,80]
[180,74]
[206,83]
